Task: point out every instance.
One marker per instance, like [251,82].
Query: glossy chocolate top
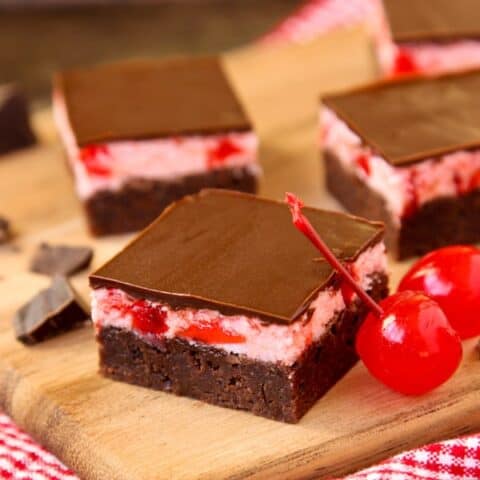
[235,253]
[150,99]
[434,20]
[411,120]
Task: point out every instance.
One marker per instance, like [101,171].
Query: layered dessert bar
[141,134]
[221,299]
[408,153]
[15,129]
[431,36]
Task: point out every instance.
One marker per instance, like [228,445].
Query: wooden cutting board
[107,430]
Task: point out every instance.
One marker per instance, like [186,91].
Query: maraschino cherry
[451,276]
[406,341]
[411,347]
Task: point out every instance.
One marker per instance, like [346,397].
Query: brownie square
[407,153]
[141,134]
[223,300]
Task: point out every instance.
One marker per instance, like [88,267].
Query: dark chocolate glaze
[235,253]
[410,120]
[150,99]
[433,20]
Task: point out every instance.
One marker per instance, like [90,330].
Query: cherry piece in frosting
[224,149]
[364,163]
[211,333]
[93,158]
[148,318]
[404,63]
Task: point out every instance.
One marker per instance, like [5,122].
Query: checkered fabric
[451,460]
[22,459]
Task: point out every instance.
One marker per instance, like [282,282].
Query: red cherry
[411,348]
[451,276]
[210,333]
[363,162]
[148,318]
[224,149]
[404,63]
[95,165]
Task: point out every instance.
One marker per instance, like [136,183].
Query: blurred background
[38,37]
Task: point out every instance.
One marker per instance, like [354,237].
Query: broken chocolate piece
[5,233]
[52,311]
[60,259]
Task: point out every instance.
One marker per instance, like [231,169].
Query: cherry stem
[303,224]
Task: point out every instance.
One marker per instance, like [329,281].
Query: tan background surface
[107,430]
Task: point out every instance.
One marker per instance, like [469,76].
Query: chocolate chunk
[15,130]
[60,259]
[5,233]
[52,311]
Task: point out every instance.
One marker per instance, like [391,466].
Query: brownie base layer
[440,222]
[140,201]
[271,390]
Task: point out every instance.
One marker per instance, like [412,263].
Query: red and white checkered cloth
[23,459]
[457,459]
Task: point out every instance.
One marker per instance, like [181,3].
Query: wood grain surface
[107,430]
